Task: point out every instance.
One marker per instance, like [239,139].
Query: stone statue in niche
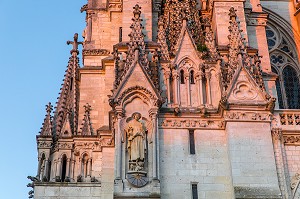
[136,135]
[136,142]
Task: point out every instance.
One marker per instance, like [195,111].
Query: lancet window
[284,63]
[63,168]
[86,165]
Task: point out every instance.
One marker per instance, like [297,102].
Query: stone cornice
[257,19]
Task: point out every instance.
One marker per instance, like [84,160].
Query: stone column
[118,145]
[155,142]
[208,77]
[68,167]
[72,168]
[46,171]
[42,169]
[167,75]
[58,170]
[176,84]
[39,167]
[200,88]
[188,88]
[89,167]
[281,163]
[53,170]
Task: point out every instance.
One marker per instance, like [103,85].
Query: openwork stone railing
[288,119]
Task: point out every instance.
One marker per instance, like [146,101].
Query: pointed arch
[284,58]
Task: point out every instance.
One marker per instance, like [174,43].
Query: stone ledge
[257,192]
[68,184]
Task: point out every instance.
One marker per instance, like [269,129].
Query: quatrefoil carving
[244,91]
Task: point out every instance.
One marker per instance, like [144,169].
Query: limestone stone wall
[95,86]
[68,191]
[252,159]
[293,159]
[209,167]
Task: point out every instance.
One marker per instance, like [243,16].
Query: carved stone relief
[244,91]
[190,123]
[248,116]
[135,132]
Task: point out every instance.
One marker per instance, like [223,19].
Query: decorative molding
[115,5]
[276,133]
[95,52]
[178,123]
[93,145]
[291,139]
[295,182]
[126,95]
[44,144]
[244,91]
[247,116]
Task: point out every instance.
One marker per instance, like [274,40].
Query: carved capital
[153,113]
[175,74]
[276,133]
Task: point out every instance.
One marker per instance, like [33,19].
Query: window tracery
[284,63]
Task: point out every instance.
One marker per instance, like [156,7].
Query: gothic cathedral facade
[177,99]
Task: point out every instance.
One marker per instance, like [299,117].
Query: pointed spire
[66,130]
[46,129]
[86,126]
[174,12]
[236,41]
[238,56]
[67,105]
[136,48]
[210,41]
[161,39]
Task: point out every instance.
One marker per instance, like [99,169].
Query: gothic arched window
[292,87]
[63,168]
[192,77]
[182,77]
[284,63]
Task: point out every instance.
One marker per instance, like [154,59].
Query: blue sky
[33,58]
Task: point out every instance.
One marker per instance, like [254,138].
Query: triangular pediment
[244,90]
[136,77]
[186,46]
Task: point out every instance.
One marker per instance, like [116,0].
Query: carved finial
[87,108]
[47,125]
[232,13]
[49,108]
[87,128]
[75,44]
[137,11]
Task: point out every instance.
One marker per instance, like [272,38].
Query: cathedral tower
[176,99]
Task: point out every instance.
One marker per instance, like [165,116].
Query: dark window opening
[192,141]
[192,77]
[49,171]
[182,77]
[64,168]
[194,191]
